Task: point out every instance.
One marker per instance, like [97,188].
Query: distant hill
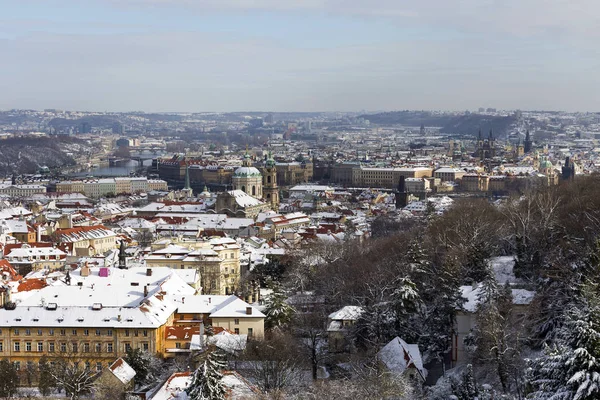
[26,155]
[466,124]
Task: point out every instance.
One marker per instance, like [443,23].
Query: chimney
[183,300]
[148,271]
[39,233]
[248,310]
[119,317]
[209,300]
[145,291]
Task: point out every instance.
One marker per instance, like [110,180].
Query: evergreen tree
[46,381]
[9,379]
[277,311]
[466,389]
[207,379]
[570,369]
[394,314]
[142,363]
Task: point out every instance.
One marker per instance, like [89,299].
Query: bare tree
[273,364]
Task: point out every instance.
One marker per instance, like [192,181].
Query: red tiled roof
[181,332]
[9,247]
[31,284]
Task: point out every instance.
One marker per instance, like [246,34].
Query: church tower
[248,179]
[528,142]
[270,190]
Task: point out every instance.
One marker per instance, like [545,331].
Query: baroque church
[253,191]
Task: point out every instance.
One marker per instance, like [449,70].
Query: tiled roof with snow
[122,371]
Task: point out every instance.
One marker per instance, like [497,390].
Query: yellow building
[100,313]
[475,183]
[217,260]
[88,240]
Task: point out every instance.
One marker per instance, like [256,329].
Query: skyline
[168,56]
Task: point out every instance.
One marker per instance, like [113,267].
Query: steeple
[187,178]
[247,160]
[528,142]
[122,256]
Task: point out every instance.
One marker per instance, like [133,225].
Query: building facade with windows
[96,315]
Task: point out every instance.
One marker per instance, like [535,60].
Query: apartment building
[95,315]
[110,186]
[217,260]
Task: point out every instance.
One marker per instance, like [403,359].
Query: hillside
[26,155]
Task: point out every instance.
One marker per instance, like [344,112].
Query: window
[27,332]
[40,347]
[126,332]
[98,367]
[74,347]
[86,332]
[177,345]
[127,347]
[28,346]
[98,347]
[250,332]
[145,346]
[51,332]
[109,347]
[51,347]
[63,347]
[236,331]
[145,333]
[16,331]
[18,365]
[39,332]
[86,347]
[87,366]
[17,347]
[1,346]
[98,332]
[74,332]
[109,332]
[236,321]
[63,332]
[135,333]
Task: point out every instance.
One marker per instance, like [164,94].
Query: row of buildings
[111,186]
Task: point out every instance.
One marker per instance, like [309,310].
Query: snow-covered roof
[398,356]
[122,371]
[351,313]
[471,295]
[243,199]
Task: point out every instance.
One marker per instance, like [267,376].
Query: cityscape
[384,252]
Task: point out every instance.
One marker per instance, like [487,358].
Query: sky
[299,55]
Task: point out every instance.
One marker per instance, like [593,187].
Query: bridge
[115,161]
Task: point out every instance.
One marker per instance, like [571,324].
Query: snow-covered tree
[143,363]
[73,376]
[277,311]
[466,389]
[391,312]
[570,370]
[207,379]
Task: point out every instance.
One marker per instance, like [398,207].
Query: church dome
[246,171]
